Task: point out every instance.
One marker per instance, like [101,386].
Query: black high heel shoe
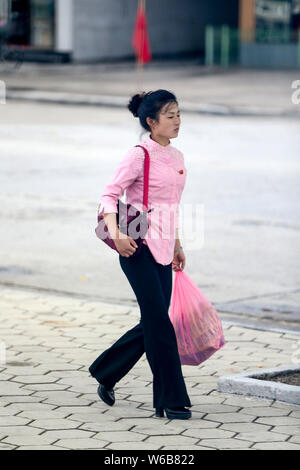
[173,413]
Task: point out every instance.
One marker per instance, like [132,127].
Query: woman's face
[169,121]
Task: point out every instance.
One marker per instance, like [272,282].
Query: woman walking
[150,272]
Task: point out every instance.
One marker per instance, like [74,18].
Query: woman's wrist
[177,243]
[178,249]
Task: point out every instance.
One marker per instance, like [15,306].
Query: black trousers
[154,334]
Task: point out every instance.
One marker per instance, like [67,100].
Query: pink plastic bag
[197,325]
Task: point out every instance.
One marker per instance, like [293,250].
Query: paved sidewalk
[49,400]
[200,89]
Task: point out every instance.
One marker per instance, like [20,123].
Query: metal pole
[5,9]
[225,45]
[209,45]
[298,55]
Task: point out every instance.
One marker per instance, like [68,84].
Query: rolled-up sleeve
[128,170]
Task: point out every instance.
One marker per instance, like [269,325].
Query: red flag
[140,40]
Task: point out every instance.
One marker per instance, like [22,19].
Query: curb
[121,102]
[248,383]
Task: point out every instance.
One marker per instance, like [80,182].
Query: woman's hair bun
[135,102]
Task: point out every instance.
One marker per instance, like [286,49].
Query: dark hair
[149,104]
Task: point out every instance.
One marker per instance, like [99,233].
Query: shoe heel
[181,415]
[159,412]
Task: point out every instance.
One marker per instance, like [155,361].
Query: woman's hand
[178,262]
[125,245]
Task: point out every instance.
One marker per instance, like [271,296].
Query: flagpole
[140,68]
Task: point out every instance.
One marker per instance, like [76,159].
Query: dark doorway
[20,22]
[32,23]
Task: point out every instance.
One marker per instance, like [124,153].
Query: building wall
[268,55]
[102,29]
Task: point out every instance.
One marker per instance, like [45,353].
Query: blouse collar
[156,145]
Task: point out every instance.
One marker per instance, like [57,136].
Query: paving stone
[119,436]
[187,447]
[247,402]
[13,421]
[54,424]
[201,379]
[205,388]
[45,387]
[223,444]
[21,399]
[42,415]
[129,413]
[290,430]
[19,430]
[142,398]
[7,410]
[230,417]
[89,418]
[30,407]
[92,397]
[132,446]
[6,446]
[193,422]
[245,427]
[171,440]
[197,399]
[246,345]
[109,426]
[39,448]
[77,380]
[215,408]
[68,434]
[295,439]
[87,410]
[28,440]
[265,411]
[24,371]
[286,406]
[279,421]
[13,389]
[35,379]
[261,436]
[4,377]
[77,444]
[63,367]
[277,446]
[66,401]
[208,433]
[157,429]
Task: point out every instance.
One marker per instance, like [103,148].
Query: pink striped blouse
[167,176]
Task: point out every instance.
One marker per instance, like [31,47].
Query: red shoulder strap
[146,176]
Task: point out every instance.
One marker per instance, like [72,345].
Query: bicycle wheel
[11,59]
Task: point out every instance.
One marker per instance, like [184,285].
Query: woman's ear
[149,122]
